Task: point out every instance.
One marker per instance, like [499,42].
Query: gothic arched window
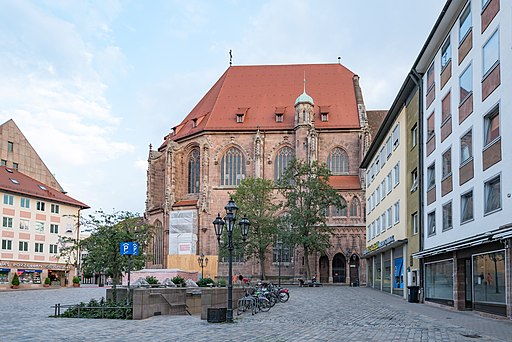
[194,167]
[337,161]
[232,167]
[283,157]
[340,211]
[158,244]
[354,207]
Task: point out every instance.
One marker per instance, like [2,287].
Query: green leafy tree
[109,230]
[255,199]
[307,198]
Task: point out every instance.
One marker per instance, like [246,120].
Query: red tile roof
[185,203]
[17,182]
[345,182]
[259,92]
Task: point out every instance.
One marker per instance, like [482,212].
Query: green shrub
[204,282]
[152,280]
[222,282]
[76,280]
[15,280]
[47,281]
[179,281]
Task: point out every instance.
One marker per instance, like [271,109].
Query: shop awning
[5,270]
[500,234]
[30,271]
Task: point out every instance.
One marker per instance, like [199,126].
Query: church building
[251,123]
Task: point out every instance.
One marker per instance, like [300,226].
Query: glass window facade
[439,281]
[377,273]
[489,281]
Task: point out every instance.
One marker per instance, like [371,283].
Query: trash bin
[216,315]
[413,294]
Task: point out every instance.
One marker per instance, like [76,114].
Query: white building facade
[467,185]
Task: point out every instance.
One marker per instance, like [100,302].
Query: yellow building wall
[188,262]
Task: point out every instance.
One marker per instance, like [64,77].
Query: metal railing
[103,309]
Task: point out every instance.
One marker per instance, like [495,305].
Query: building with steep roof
[16,152]
[35,217]
[251,123]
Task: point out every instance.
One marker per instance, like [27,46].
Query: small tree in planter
[15,282]
[47,282]
[76,281]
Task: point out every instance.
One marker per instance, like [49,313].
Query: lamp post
[230,218]
[203,262]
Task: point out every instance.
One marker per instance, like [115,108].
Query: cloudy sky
[92,83]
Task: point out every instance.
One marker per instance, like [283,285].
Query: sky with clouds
[92,83]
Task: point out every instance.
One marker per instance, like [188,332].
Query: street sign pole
[129,269]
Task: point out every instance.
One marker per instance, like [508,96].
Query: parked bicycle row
[262,298]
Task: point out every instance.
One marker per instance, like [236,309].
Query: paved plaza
[331,313]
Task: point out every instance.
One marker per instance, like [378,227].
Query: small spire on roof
[304,81]
[230,57]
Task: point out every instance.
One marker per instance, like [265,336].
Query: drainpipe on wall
[417,78]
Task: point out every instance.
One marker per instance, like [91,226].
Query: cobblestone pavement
[331,313]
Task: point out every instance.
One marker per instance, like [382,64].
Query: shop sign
[380,244]
[26,265]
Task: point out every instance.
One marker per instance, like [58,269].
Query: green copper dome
[304,98]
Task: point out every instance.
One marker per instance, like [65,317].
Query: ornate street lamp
[203,262]
[230,219]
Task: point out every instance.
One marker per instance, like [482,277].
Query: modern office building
[251,123]
[466,65]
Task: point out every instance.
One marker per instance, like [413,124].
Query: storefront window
[378,273]
[489,281]
[439,282]
[30,276]
[370,272]
[398,279]
[4,276]
[386,277]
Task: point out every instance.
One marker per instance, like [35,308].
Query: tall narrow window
[415,223]
[338,161]
[466,84]
[447,216]
[340,211]
[158,244]
[10,146]
[194,167]
[466,147]
[430,126]
[430,78]
[447,163]
[492,195]
[464,23]
[446,53]
[431,223]
[414,136]
[232,167]
[491,52]
[492,126]
[283,158]
[466,207]
[396,136]
[446,111]
[431,176]
[397,212]
[354,207]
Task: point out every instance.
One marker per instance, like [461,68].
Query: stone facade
[168,185]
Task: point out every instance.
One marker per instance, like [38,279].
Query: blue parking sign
[129,248]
